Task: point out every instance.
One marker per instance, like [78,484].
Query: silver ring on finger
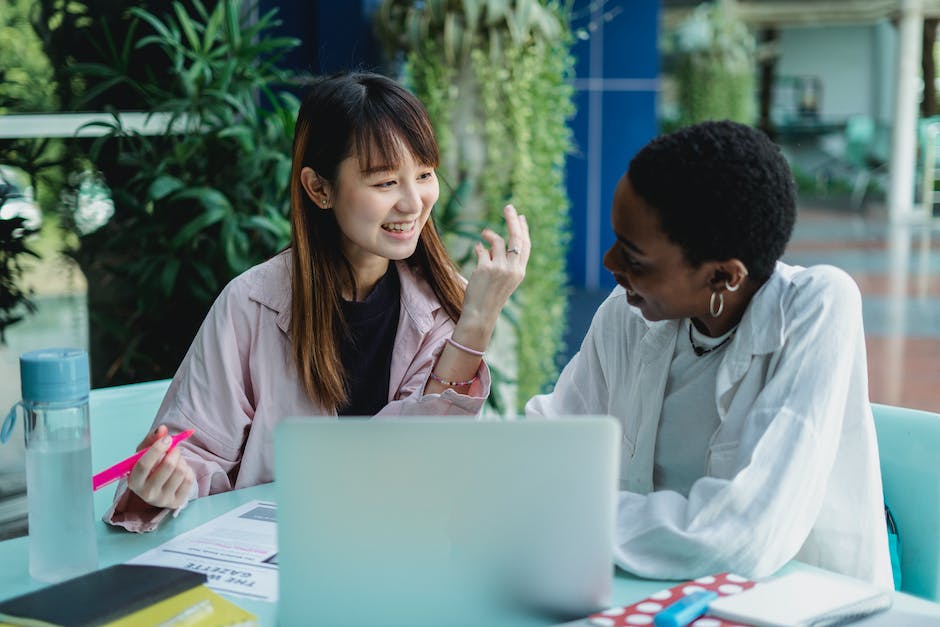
[512,251]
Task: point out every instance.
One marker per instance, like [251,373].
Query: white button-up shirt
[791,472]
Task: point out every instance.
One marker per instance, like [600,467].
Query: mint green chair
[909,448]
[928,168]
[120,418]
[867,151]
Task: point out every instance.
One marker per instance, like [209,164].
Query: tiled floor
[897,269]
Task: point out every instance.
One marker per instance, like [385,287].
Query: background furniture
[908,445]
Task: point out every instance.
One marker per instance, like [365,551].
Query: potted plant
[713,55]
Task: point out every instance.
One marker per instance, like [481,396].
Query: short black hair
[722,190]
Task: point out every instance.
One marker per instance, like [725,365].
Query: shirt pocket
[722,460]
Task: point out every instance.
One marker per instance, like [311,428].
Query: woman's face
[381,213]
[658,279]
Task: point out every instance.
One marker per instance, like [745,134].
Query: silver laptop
[445,521]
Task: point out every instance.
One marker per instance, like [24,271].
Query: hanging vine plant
[495,78]
[715,65]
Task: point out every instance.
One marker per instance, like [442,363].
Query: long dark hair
[371,116]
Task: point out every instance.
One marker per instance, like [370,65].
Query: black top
[367,351]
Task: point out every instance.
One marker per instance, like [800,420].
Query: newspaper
[237,551]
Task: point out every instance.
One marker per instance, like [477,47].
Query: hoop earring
[721,304]
[735,288]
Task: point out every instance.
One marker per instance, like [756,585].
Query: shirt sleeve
[410,398]
[758,520]
[210,394]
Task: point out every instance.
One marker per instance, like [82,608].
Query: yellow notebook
[196,607]
[124,594]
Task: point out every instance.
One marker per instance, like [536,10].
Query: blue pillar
[333,35]
[617,80]
[298,19]
[345,38]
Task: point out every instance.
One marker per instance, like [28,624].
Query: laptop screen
[430,521]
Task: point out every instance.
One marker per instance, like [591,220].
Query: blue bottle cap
[54,374]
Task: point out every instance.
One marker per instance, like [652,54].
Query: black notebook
[100,596]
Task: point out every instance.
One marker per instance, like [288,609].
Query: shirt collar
[417,298]
[761,330]
[272,288]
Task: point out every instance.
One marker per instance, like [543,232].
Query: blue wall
[334,35]
[617,74]
[617,77]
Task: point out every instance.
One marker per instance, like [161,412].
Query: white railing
[37,125]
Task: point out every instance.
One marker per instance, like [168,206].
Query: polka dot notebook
[642,612]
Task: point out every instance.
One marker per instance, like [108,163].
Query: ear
[727,275]
[316,187]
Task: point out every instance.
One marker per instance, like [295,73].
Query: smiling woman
[380,209]
[739,381]
[364,314]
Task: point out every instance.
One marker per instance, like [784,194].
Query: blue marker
[685,610]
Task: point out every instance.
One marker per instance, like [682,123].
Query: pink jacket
[237,381]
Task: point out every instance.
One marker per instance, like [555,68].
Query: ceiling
[805,12]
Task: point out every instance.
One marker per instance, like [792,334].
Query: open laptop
[445,521]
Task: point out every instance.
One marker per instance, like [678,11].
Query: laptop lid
[445,521]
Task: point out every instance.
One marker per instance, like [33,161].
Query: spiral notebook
[803,598]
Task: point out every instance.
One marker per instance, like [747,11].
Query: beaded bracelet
[452,383]
[465,349]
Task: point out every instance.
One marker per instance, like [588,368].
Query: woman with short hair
[740,381]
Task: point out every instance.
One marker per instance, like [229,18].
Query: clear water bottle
[62,542]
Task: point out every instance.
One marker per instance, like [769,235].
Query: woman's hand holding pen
[159,478]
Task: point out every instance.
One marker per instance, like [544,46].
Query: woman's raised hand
[499,271]
[159,478]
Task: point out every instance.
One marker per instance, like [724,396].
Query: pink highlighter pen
[123,468]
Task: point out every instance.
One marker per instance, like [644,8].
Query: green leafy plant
[714,65]
[495,78]
[25,73]
[24,87]
[195,205]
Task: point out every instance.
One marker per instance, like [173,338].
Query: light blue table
[115,546]
[121,415]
